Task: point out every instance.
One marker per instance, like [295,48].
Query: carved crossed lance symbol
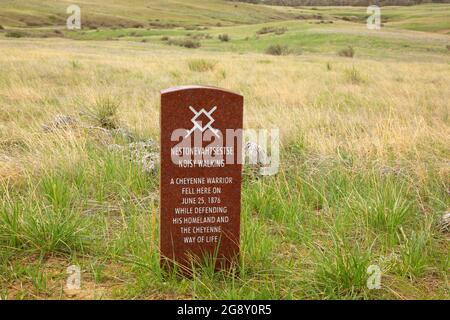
[197,124]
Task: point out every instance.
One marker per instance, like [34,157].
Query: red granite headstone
[201,162]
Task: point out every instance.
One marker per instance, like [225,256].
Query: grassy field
[119,13]
[364,176]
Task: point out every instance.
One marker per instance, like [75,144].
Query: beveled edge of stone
[187,87]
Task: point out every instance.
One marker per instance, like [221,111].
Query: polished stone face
[201,162]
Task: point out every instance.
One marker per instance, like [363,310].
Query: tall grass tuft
[382,206]
[414,254]
[354,76]
[340,270]
[201,65]
[105,113]
[56,189]
[27,224]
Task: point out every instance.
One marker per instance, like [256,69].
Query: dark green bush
[224,37]
[276,30]
[187,43]
[192,44]
[348,52]
[278,50]
[16,34]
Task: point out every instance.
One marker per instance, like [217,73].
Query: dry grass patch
[201,65]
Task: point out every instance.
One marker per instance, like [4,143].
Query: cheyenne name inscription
[215,156]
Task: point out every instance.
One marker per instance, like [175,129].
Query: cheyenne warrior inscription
[201,162]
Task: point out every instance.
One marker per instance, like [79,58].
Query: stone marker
[201,162]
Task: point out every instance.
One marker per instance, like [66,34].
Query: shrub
[280,31]
[32,24]
[275,30]
[1,27]
[187,43]
[224,37]
[165,38]
[201,65]
[264,30]
[348,52]
[16,34]
[199,36]
[348,18]
[448,47]
[278,50]
[192,44]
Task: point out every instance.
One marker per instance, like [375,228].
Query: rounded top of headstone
[199,87]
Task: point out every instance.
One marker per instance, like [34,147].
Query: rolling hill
[363,3]
[135,13]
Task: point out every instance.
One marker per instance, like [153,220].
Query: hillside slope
[343,2]
[132,13]
[424,17]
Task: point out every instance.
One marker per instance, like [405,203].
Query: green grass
[300,36]
[425,17]
[341,270]
[30,225]
[338,220]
